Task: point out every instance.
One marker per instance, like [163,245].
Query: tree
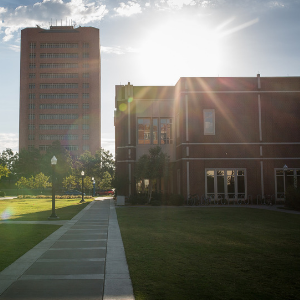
[21,183]
[153,166]
[95,165]
[41,181]
[105,183]
[69,183]
[28,163]
[4,171]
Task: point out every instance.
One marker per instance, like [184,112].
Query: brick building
[60,88]
[228,138]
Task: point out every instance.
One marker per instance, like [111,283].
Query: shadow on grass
[71,208]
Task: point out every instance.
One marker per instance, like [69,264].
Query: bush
[2,194]
[156,199]
[292,200]
[138,199]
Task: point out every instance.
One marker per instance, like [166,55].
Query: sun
[178,48]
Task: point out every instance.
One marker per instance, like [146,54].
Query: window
[32,45]
[58,116]
[59,55]
[284,180]
[85,65]
[31,106]
[58,45]
[86,116]
[58,96]
[85,95]
[31,116]
[85,85]
[58,65]
[86,147]
[32,66]
[58,137]
[71,147]
[31,75]
[31,137]
[58,85]
[85,105]
[85,55]
[166,131]
[227,184]
[85,126]
[31,86]
[59,106]
[31,96]
[209,121]
[85,45]
[144,131]
[151,130]
[85,75]
[32,55]
[85,136]
[31,126]
[58,126]
[59,75]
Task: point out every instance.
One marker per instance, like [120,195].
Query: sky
[155,42]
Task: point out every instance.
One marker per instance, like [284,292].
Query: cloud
[118,50]
[14,48]
[129,9]
[180,3]
[108,144]
[9,140]
[81,12]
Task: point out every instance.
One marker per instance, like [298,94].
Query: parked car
[104,192]
[73,192]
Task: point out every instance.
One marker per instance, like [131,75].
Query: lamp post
[53,164]
[94,183]
[82,199]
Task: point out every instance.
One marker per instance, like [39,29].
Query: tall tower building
[60,89]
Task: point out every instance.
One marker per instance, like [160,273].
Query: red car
[104,192]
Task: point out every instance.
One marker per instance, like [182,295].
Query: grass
[17,239]
[211,253]
[39,209]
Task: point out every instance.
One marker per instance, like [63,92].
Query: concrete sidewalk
[84,259]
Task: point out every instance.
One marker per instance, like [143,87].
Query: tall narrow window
[209,121]
[166,131]
[144,131]
[155,131]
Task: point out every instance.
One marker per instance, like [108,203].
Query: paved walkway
[83,259]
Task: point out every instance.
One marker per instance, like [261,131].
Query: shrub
[293,198]
[2,194]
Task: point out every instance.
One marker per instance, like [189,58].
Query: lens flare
[122,107]
[130,99]
[8,212]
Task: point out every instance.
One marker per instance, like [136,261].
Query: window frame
[211,112]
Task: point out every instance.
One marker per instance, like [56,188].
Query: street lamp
[93,179]
[53,164]
[82,199]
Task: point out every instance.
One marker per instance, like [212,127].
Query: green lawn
[211,253]
[39,209]
[17,239]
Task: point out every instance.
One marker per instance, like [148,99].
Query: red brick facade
[231,136]
[60,88]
